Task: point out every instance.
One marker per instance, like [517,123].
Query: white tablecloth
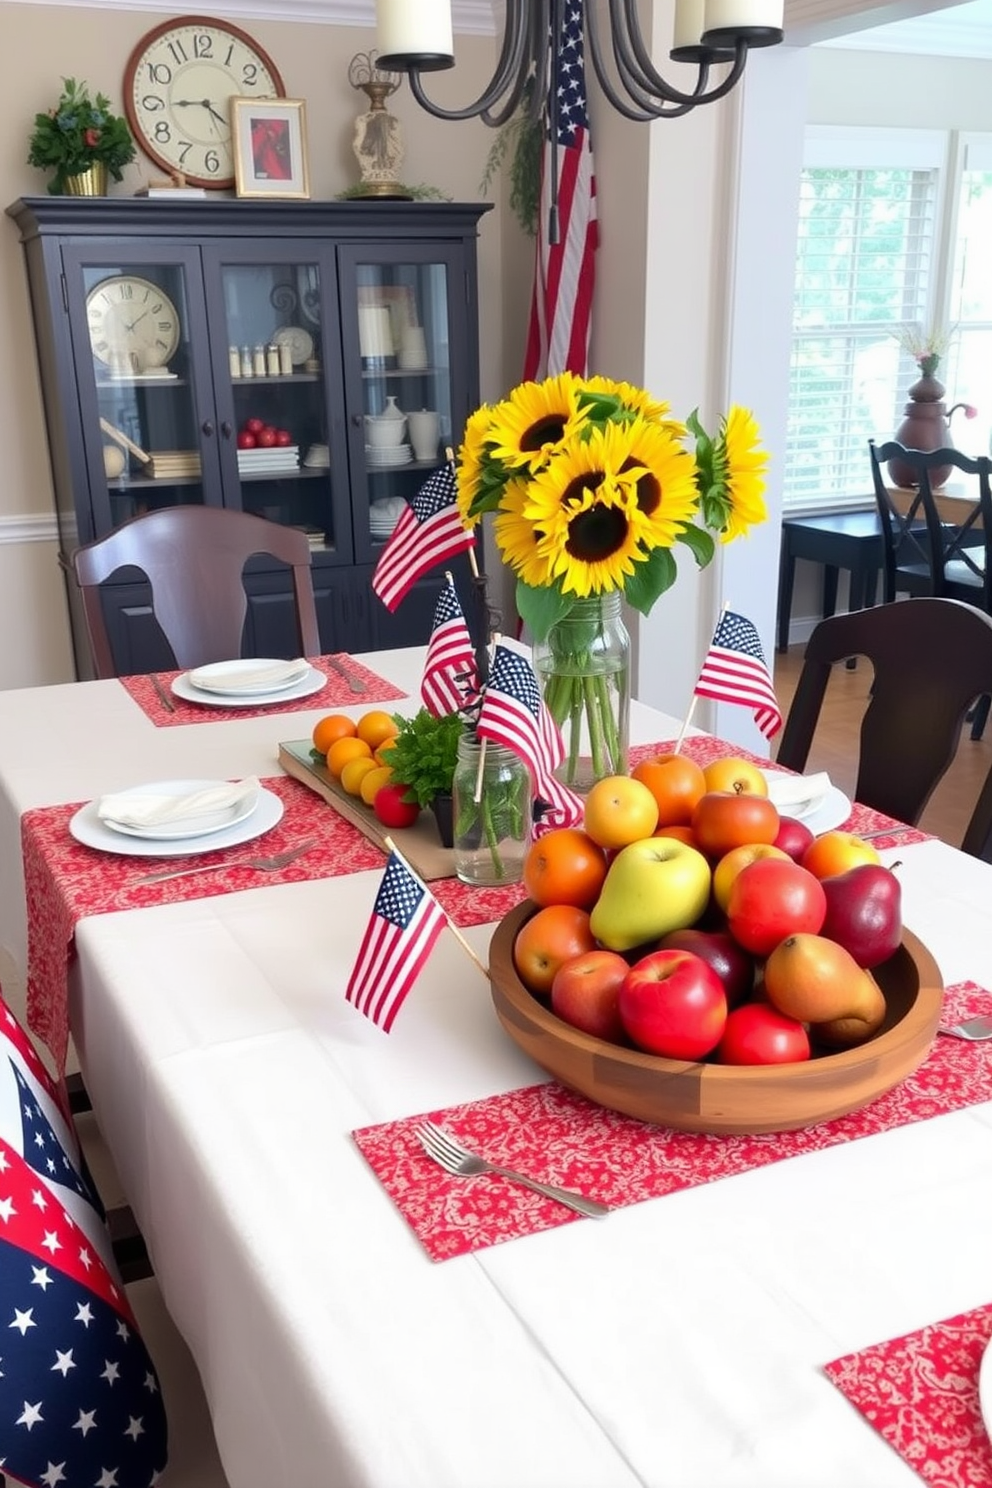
[676,1344]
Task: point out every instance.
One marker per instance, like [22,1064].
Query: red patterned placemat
[863,819]
[562,1138]
[64,881]
[335,694]
[921,1393]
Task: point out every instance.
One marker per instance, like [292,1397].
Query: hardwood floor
[835,745]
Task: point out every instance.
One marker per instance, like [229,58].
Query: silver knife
[355,683]
[162,695]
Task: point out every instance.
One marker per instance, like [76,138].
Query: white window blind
[967,374]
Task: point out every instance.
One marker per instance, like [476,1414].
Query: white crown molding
[472,17]
[28,529]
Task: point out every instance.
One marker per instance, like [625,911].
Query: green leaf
[700,542]
[540,609]
[650,579]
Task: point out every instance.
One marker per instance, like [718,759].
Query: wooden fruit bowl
[725,1099]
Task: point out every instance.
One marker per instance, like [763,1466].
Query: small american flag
[429,532]
[513,713]
[450,679]
[79,1398]
[406,921]
[734,671]
[565,271]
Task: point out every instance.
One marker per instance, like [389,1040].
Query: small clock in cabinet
[133,324]
[178,86]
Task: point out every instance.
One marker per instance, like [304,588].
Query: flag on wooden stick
[734,671]
[429,532]
[451,678]
[405,924]
[514,713]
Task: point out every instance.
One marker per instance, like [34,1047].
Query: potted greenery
[80,140]
[422,757]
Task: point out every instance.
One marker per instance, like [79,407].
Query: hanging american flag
[513,713]
[80,1402]
[428,533]
[450,678]
[734,671]
[406,921]
[565,272]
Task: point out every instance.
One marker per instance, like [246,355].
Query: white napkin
[266,675]
[793,793]
[143,809]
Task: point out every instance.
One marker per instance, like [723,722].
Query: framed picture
[270,148]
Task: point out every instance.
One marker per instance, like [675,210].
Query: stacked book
[170,464]
[316,536]
[277,459]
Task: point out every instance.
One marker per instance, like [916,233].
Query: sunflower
[537,419]
[740,467]
[664,482]
[638,401]
[472,462]
[519,539]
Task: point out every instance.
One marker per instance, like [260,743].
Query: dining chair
[932,657]
[194,559]
[926,549]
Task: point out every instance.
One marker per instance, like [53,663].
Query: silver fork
[261,864]
[455,1158]
[972,1029]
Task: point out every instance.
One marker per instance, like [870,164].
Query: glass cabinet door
[275,374]
[413,393]
[145,444]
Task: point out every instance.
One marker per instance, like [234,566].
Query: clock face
[132,323]
[178,87]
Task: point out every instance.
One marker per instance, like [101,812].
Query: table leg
[786,580]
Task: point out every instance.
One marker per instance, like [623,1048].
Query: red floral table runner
[921,1393]
[335,694]
[562,1138]
[863,819]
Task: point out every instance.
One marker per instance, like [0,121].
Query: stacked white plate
[383,515]
[177,818]
[277,459]
[388,455]
[248,682]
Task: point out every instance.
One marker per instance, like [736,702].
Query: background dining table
[680,1343]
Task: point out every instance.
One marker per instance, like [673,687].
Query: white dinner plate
[985,1387]
[87,828]
[311,682]
[241,676]
[216,821]
[831,812]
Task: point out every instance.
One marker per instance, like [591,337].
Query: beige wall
[46,42]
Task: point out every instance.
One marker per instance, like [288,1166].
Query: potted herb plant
[422,757]
[81,141]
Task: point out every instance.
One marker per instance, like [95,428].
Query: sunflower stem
[492,836]
[593,690]
[610,730]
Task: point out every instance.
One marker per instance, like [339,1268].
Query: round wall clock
[132,322]
[178,85]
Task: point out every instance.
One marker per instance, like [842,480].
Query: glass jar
[491,834]
[583,668]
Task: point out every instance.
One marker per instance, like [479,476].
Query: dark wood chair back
[194,558]
[926,548]
[932,657]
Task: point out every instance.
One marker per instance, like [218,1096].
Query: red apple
[246,440]
[253,425]
[759,1034]
[391,809]
[584,993]
[794,837]
[671,1003]
[772,899]
[266,437]
[283,436]
[732,964]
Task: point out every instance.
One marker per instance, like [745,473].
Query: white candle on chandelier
[688,23]
[423,29]
[742,15]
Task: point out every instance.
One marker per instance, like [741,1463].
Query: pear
[817,981]
[652,887]
[864,912]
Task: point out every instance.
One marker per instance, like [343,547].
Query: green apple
[652,887]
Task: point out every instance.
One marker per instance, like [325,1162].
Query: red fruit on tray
[266,437]
[283,436]
[253,425]
[391,809]
[246,439]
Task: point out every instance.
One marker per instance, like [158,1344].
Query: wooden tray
[419,844]
[720,1098]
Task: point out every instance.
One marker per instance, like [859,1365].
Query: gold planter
[91,182]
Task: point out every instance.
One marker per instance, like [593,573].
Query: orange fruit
[676,782]
[835,852]
[375,728]
[620,810]
[553,936]
[343,750]
[376,778]
[564,867]
[330,728]
[354,773]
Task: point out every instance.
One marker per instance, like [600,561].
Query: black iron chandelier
[417,38]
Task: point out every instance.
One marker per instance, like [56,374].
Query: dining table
[359,1318]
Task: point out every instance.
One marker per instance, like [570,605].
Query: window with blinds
[967,374]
